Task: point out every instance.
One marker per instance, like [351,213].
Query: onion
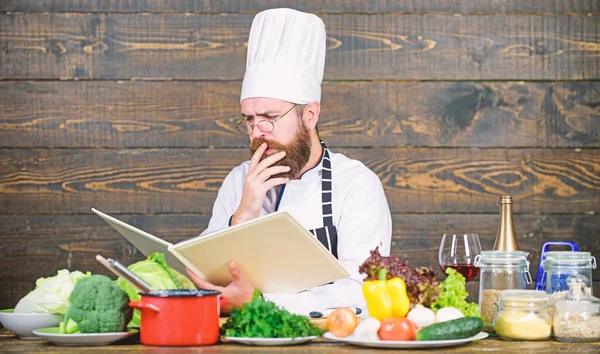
[421,316]
[447,314]
[367,329]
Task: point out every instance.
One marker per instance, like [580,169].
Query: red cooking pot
[179,317]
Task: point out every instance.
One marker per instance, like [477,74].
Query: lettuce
[51,295]
[453,293]
[421,285]
[156,272]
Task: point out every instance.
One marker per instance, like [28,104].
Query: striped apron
[327,234]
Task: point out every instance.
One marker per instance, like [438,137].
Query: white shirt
[360,214]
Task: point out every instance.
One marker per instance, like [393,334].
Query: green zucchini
[455,329]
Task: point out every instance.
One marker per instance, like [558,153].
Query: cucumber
[455,329]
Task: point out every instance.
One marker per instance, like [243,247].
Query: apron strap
[327,234]
[326,188]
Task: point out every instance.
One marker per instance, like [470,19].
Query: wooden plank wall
[130,107]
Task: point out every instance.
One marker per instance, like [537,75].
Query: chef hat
[286,56]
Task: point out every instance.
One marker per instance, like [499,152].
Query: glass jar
[577,314]
[523,315]
[559,265]
[500,270]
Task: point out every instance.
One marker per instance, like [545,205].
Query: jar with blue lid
[559,265]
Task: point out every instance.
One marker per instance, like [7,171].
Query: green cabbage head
[51,295]
[156,272]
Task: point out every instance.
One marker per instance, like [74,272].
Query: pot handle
[223,301]
[140,305]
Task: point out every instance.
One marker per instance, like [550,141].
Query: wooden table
[11,343]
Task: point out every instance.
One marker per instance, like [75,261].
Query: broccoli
[96,305]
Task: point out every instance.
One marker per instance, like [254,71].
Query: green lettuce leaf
[156,272]
[51,295]
[453,293]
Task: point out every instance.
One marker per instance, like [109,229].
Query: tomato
[342,322]
[397,329]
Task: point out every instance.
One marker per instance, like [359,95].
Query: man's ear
[311,114]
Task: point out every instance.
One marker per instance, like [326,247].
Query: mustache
[256,143]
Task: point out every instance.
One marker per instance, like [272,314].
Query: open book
[274,252]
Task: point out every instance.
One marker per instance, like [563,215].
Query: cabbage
[51,295]
[156,272]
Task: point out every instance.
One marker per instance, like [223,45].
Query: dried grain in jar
[489,299]
[500,270]
[577,315]
[523,315]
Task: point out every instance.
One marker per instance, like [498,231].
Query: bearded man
[338,199]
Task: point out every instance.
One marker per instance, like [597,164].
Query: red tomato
[342,322]
[397,329]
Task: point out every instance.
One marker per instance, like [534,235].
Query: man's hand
[258,182]
[238,292]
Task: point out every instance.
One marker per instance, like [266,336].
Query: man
[338,199]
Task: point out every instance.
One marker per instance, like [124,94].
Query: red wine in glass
[458,251]
[469,271]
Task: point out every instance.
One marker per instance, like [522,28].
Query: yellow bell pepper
[386,298]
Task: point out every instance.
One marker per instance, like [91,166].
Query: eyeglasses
[264,125]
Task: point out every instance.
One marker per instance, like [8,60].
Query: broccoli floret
[97,305]
[69,328]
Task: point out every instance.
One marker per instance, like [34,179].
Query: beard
[297,153]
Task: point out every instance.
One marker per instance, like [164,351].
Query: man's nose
[256,132]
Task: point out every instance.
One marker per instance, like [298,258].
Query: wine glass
[458,251]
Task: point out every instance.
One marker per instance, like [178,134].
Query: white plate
[52,335]
[271,341]
[405,344]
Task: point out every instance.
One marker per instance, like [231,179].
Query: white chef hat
[286,56]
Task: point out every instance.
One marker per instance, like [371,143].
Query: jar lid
[578,289]
[578,297]
[524,297]
[569,259]
[501,258]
